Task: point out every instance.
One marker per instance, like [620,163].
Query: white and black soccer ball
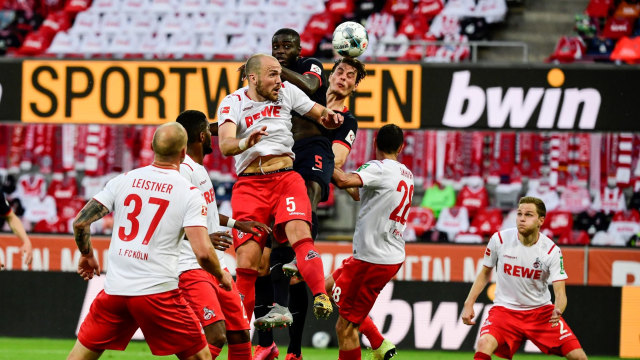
[320,340]
[350,39]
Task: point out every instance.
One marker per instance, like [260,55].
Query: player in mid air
[220,312]
[154,207]
[254,125]
[526,261]
[378,247]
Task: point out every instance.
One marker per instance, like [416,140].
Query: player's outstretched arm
[231,145]
[91,212]
[344,180]
[307,82]
[18,229]
[340,153]
[560,295]
[325,117]
[478,285]
[205,254]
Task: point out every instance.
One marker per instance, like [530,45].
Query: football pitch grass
[54,349]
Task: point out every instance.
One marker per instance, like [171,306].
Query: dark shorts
[314,161]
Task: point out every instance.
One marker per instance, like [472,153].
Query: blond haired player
[154,206]
[526,261]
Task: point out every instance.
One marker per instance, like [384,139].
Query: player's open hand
[226,282]
[331,119]
[88,266]
[27,253]
[256,135]
[253,227]
[555,317]
[468,314]
[221,240]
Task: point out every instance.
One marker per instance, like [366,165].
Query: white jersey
[151,207]
[249,115]
[523,272]
[197,175]
[386,198]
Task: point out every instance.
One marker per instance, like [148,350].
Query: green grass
[52,349]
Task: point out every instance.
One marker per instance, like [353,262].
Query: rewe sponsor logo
[466,103]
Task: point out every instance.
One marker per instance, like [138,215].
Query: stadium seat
[64,44]
[308,45]
[420,220]
[180,44]
[143,24]
[35,44]
[103,6]
[151,46]
[134,6]
[558,223]
[311,6]
[76,6]
[232,24]
[321,24]
[219,6]
[123,43]
[242,46]
[114,23]
[428,8]
[628,10]
[173,24]
[251,6]
[627,50]
[210,45]
[413,26]
[87,22]
[94,45]
[193,6]
[600,49]
[398,8]
[616,28]
[164,7]
[459,8]
[599,8]
[568,49]
[493,11]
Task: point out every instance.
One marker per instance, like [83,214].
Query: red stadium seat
[420,219]
[599,8]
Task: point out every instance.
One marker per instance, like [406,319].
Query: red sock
[353,354]
[240,351]
[246,282]
[481,356]
[370,330]
[214,350]
[310,265]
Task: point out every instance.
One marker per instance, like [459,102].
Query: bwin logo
[518,107]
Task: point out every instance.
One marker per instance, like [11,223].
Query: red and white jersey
[575,199]
[31,187]
[453,221]
[610,200]
[473,199]
[523,272]
[151,207]
[249,115]
[198,176]
[386,197]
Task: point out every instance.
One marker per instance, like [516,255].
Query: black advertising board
[10,90]
[572,98]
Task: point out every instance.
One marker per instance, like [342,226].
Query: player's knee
[217,339]
[577,354]
[487,344]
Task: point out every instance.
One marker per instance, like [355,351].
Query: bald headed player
[254,125]
[154,206]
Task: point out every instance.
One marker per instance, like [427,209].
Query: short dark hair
[361,72]
[195,122]
[389,139]
[541,209]
[287,31]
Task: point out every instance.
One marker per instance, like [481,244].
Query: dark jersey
[313,67]
[346,133]
[5,209]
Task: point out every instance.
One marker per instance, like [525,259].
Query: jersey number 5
[407,192]
[133,217]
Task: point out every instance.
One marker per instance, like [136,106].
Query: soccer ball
[320,340]
[350,39]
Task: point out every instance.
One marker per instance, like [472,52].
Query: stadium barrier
[592,266]
[429,96]
[412,314]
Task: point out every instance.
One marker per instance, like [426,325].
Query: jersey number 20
[407,192]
